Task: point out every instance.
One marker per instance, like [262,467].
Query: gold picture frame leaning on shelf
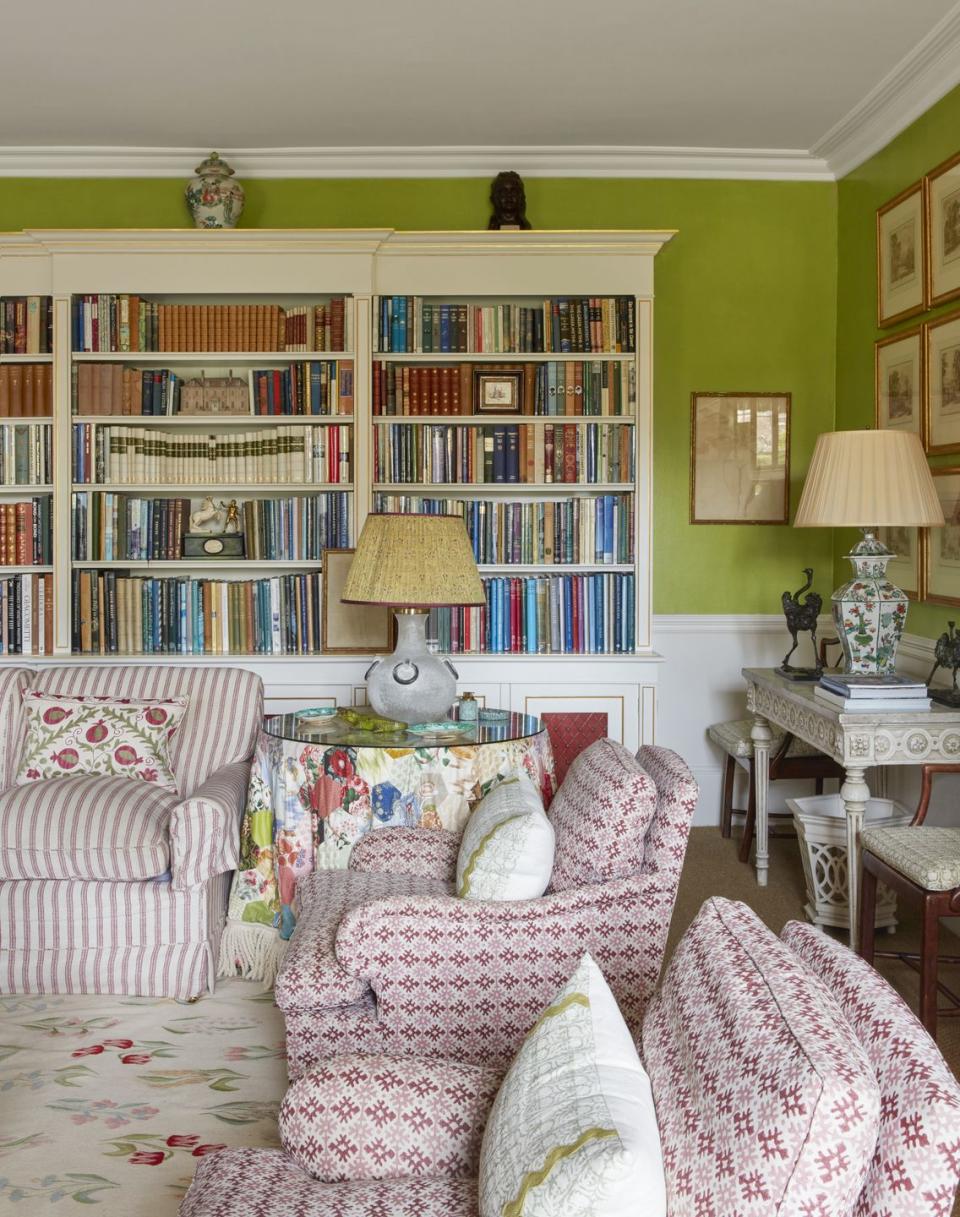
[941,584]
[350,629]
[901,258]
[739,458]
[497,391]
[941,205]
[899,382]
[942,383]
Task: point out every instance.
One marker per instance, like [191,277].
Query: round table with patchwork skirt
[316,786]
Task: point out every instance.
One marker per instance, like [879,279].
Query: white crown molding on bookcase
[423,162]
[925,74]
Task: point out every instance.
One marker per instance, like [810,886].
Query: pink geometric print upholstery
[267,1183]
[222,719]
[362,1117]
[311,974]
[467,979]
[766,1102]
[916,1167]
[600,815]
[430,852]
[12,683]
[85,828]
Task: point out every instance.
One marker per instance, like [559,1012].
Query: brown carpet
[712,869]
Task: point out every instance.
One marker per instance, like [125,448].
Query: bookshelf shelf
[5,571]
[208,564]
[28,491]
[47,422]
[500,420]
[460,490]
[505,356]
[228,489]
[26,358]
[216,358]
[555,568]
[208,421]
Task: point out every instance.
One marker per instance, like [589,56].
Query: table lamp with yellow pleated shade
[413,563]
[869,479]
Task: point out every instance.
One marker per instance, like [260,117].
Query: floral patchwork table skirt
[308,804]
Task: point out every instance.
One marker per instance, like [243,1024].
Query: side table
[856,741]
[317,787]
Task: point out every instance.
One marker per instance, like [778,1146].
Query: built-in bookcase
[382,406]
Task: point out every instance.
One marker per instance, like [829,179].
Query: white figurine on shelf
[211,518]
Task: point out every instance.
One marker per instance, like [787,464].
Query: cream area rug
[108,1102]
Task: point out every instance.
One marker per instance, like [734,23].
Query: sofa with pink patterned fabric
[768,1099]
[108,884]
[386,960]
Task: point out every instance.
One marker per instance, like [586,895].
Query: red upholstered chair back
[571,731]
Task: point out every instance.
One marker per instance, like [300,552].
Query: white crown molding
[585,161]
[924,75]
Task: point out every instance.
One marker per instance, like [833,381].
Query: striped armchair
[108,885]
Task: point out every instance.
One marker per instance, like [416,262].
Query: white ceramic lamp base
[412,685]
[869,611]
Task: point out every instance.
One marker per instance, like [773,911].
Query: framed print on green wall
[942,580]
[942,341]
[941,197]
[739,458]
[899,367]
[900,257]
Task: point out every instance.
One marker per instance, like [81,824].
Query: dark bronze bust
[509,201]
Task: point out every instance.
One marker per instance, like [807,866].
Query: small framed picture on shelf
[942,556]
[941,197]
[740,458]
[943,384]
[350,629]
[898,373]
[900,257]
[497,391]
[906,569]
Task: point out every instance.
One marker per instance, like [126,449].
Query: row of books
[591,324]
[26,454]
[319,327]
[543,615]
[318,387]
[141,455]
[26,615]
[26,538]
[26,325]
[115,614]
[568,387]
[111,527]
[26,390]
[862,694]
[573,531]
[522,453]
[111,322]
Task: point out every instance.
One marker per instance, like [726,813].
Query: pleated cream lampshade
[866,478]
[413,561]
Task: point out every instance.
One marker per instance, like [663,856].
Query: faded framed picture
[900,256]
[941,197]
[497,392]
[906,569]
[942,579]
[350,629]
[943,384]
[740,458]
[899,371]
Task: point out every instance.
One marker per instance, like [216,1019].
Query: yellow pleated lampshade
[413,561]
[866,478]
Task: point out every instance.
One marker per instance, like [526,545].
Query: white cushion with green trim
[573,1129]
[506,852]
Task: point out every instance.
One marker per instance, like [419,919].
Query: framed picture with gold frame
[350,629]
[739,458]
[941,205]
[941,583]
[899,367]
[942,383]
[901,282]
[906,569]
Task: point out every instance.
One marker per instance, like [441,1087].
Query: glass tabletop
[332,731]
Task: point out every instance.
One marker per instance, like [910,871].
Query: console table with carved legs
[858,742]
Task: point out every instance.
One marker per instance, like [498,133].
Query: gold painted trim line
[532,1179]
[464,888]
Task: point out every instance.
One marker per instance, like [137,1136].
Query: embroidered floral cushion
[69,735]
[600,816]
[506,852]
[573,1128]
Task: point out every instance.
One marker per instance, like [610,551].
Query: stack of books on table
[872,694]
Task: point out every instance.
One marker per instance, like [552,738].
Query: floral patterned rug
[110,1101]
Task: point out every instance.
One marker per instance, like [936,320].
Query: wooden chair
[923,864]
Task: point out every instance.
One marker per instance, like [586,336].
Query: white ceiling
[544,74]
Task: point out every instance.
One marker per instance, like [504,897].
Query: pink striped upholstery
[205,829]
[12,683]
[139,938]
[85,828]
[221,723]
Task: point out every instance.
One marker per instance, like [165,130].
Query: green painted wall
[922,146]
[746,300]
